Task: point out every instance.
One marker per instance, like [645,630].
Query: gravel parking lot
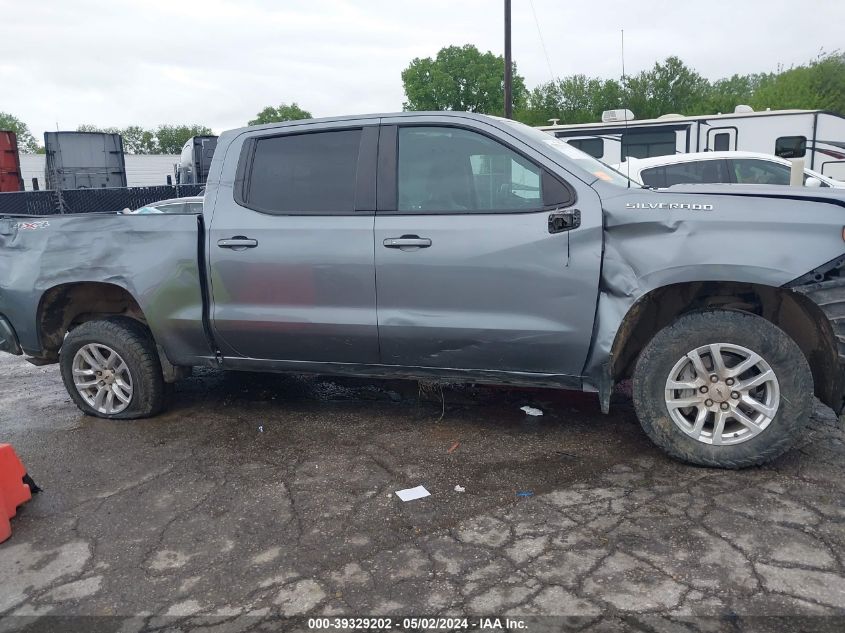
[257,496]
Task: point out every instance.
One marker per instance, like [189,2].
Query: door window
[300,174]
[722,142]
[760,172]
[445,169]
[696,172]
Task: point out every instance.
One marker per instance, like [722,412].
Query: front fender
[702,237]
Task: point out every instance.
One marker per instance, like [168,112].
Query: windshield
[586,162]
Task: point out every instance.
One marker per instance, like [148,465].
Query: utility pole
[508,63]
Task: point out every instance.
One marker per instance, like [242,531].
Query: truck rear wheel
[723,388]
[111,369]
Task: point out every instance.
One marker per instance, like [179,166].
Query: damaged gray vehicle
[450,246]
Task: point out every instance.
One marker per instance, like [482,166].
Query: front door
[291,247]
[470,272]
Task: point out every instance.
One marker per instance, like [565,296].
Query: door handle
[407,241]
[238,243]
[560,221]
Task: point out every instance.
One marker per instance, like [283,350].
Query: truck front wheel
[111,369]
[723,388]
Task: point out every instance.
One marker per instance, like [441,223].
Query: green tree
[828,80]
[87,127]
[669,87]
[284,112]
[171,138]
[725,94]
[820,84]
[575,99]
[460,78]
[26,141]
[136,140]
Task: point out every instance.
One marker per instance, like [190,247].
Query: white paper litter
[460,489]
[531,410]
[409,494]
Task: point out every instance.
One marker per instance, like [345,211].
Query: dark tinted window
[644,144]
[702,171]
[722,142]
[305,173]
[592,146]
[791,146]
[760,172]
[449,169]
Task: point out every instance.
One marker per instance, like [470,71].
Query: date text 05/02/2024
[416,624]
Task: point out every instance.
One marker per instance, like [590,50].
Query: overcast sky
[116,63]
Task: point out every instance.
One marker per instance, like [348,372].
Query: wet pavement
[259,496]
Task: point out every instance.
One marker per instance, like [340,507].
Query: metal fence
[90,200]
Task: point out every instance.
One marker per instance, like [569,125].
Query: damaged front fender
[699,243]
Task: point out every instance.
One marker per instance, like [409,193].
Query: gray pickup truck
[454,247]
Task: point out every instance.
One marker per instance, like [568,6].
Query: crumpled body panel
[753,234]
[153,257]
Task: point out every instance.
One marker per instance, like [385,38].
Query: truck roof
[358,117]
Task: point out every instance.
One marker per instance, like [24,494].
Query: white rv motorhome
[817,136]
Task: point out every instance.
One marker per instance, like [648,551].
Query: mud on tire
[135,346]
[666,352]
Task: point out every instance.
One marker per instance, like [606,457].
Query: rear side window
[312,173]
[697,172]
[444,169]
[592,146]
[760,172]
[791,146]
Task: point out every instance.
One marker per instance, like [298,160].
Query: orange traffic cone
[13,491]
[5,526]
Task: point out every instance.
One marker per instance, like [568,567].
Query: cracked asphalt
[260,496]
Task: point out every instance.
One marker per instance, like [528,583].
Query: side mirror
[812,182]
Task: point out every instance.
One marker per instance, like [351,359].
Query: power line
[542,42]
[508,63]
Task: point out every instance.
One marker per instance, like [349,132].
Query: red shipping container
[10,163]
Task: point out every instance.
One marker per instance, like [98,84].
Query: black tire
[133,342]
[750,331]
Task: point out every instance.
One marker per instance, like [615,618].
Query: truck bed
[155,258]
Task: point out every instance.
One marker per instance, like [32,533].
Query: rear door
[472,251]
[291,246]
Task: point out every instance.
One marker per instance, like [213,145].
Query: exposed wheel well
[794,313]
[65,306]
